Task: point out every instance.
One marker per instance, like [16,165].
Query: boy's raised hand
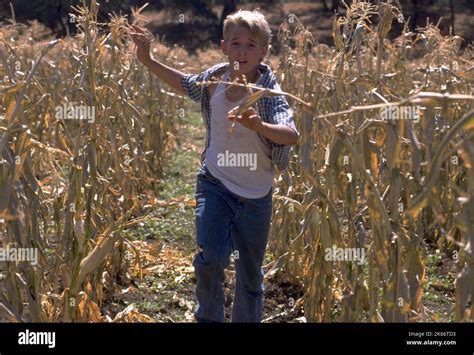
[142,41]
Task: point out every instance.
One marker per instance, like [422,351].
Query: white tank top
[240,160]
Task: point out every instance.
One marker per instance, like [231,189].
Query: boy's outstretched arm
[167,74]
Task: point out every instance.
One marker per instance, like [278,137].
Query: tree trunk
[451,5]
[415,15]
[230,6]
[325,5]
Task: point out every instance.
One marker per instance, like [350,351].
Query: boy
[235,181]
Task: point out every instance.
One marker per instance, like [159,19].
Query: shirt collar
[266,78]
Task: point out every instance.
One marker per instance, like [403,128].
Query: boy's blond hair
[254,21]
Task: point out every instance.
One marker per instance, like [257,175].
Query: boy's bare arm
[167,74]
[277,133]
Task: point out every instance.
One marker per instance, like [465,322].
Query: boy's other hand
[142,41]
[249,118]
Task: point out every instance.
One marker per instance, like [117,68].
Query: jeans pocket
[204,174]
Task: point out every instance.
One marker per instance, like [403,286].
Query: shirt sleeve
[281,112]
[189,82]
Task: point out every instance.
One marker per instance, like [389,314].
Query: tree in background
[334,5]
[230,6]
[202,8]
[451,6]
[55,13]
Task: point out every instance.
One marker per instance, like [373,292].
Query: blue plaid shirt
[272,109]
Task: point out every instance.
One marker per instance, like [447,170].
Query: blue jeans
[227,223]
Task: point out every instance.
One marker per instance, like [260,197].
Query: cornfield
[71,187]
[72,180]
[358,180]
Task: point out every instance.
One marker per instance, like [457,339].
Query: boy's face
[243,47]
